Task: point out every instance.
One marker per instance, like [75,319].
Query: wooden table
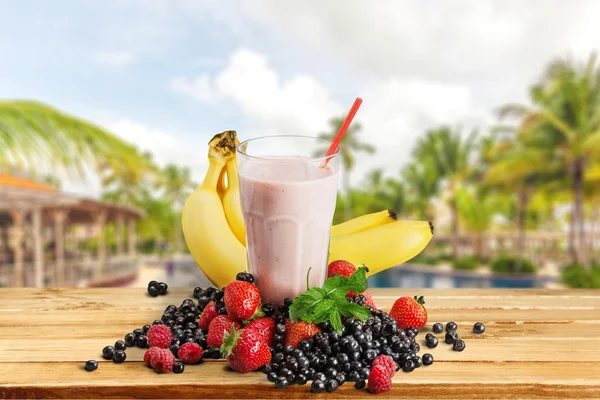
[538,343]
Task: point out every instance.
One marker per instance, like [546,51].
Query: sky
[167,75]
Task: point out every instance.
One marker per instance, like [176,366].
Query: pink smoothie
[288,206]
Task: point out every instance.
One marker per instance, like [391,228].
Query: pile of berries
[231,323]
[157,288]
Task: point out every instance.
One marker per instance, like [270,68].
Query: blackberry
[121,345]
[431,341]
[119,356]
[138,332]
[281,383]
[162,288]
[91,365]
[153,289]
[107,352]
[331,385]
[360,384]
[427,359]
[317,386]
[451,337]
[478,328]
[178,367]
[451,326]
[141,342]
[459,345]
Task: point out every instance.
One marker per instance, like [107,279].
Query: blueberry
[287,302]
[340,378]
[451,337]
[459,345]
[415,347]
[364,373]
[427,359]
[451,326]
[320,376]
[360,384]
[288,349]
[478,328]
[268,309]
[331,385]
[145,329]
[157,322]
[153,283]
[120,345]
[272,376]
[141,342]
[178,367]
[304,346]
[431,341]
[317,386]
[353,376]
[370,354]
[278,357]
[281,383]
[119,356]
[408,366]
[197,291]
[418,362]
[342,358]
[438,328]
[303,362]
[107,352]
[153,290]
[301,379]
[332,362]
[330,373]
[174,349]
[91,365]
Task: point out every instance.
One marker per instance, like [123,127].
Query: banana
[231,203]
[211,242]
[221,184]
[382,247]
[363,223]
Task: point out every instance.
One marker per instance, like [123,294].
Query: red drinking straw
[340,135]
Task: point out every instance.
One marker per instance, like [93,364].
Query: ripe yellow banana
[231,203]
[221,184]
[363,223]
[382,247]
[211,242]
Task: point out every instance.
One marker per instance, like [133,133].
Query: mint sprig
[329,303]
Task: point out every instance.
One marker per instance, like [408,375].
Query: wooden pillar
[59,252]
[131,238]
[100,222]
[38,255]
[119,231]
[18,217]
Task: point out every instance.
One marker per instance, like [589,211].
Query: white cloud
[115,58]
[394,112]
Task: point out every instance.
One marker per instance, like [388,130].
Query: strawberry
[380,381]
[265,327]
[217,328]
[210,312]
[300,331]
[242,301]
[245,350]
[409,312]
[340,267]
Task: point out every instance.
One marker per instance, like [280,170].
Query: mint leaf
[336,286]
[305,303]
[335,320]
[320,313]
[352,309]
[358,281]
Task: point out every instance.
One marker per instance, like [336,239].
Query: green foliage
[510,265]
[576,276]
[466,263]
[425,259]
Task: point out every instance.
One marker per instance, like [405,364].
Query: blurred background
[481,116]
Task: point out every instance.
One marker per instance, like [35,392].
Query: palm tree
[565,118]
[450,153]
[382,193]
[421,181]
[128,186]
[350,145]
[176,184]
[36,137]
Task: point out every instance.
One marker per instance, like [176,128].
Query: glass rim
[323,158]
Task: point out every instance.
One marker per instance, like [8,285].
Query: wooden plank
[112,332]
[214,380]
[75,349]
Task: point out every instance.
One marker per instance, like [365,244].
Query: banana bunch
[213,225]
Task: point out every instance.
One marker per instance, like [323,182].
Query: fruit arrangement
[213,225]
[327,336]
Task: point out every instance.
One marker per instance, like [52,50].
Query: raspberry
[209,313]
[149,354]
[379,380]
[162,361]
[159,336]
[387,362]
[190,353]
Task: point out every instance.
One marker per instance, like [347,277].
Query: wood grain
[538,343]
